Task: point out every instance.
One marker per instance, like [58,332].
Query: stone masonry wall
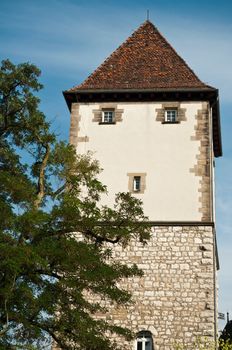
[174,299]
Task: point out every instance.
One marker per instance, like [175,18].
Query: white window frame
[143,340]
[137,183]
[108,116]
[170,115]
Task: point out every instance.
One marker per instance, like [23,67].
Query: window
[170,115]
[107,113]
[137,183]
[108,116]
[144,341]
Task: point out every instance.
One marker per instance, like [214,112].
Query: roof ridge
[144,60]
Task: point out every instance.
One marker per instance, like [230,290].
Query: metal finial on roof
[147,15]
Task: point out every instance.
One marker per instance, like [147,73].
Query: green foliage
[204,343]
[47,194]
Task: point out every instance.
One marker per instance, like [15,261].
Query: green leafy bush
[205,344]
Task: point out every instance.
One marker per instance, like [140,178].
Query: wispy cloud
[76,36]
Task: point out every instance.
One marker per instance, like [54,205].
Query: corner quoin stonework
[202,166]
[74,139]
[174,299]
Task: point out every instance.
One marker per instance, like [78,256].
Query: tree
[47,194]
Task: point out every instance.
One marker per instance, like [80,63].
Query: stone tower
[155,129]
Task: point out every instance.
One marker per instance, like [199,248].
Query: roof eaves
[71,91]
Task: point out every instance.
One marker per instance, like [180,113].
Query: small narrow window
[137,183]
[108,116]
[170,115]
[144,341]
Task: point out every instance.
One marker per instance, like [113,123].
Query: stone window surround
[160,112]
[131,182]
[97,113]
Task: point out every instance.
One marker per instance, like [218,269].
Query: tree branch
[100,239]
[59,190]
[40,184]
[6,325]
[47,273]
[8,114]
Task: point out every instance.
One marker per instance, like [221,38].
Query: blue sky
[68,39]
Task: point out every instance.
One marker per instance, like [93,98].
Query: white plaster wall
[141,144]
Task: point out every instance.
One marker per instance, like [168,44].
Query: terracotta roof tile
[144,61]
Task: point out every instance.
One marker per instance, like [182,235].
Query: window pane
[108,116]
[140,346]
[137,181]
[171,115]
[148,345]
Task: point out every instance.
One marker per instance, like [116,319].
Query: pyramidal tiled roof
[144,61]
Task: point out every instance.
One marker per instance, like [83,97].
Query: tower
[155,129]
